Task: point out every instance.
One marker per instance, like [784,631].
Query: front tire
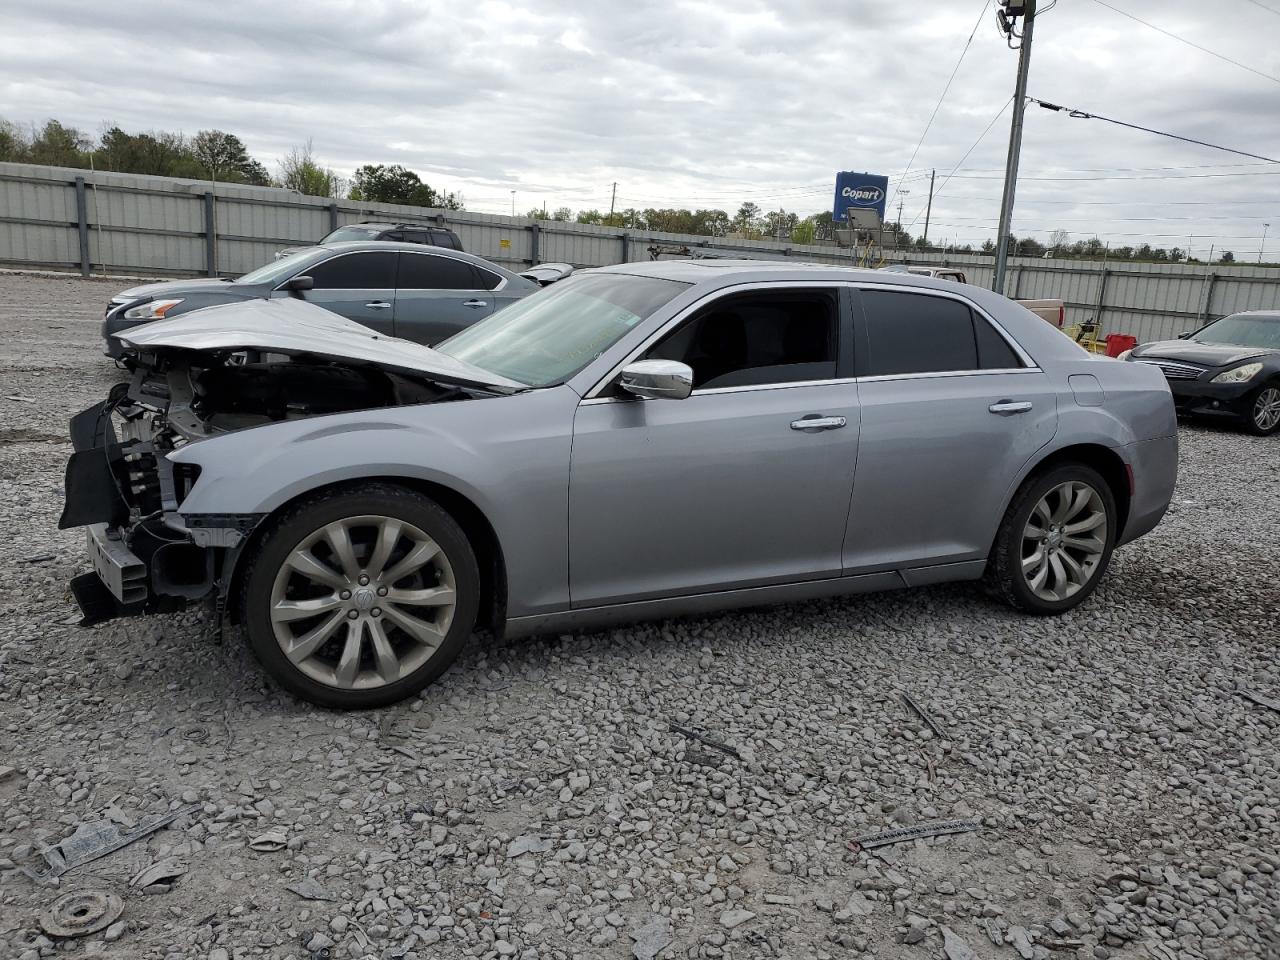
[1263,418]
[1055,541]
[362,598]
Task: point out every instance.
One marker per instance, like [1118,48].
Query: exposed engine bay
[121,484]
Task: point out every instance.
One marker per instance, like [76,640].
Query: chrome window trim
[593,394]
[445,255]
[415,253]
[744,388]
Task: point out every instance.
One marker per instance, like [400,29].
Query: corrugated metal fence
[113,223]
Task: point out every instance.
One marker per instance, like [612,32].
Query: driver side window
[754,339]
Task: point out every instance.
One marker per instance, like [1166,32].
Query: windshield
[1242,330]
[352,233]
[550,335]
[275,271]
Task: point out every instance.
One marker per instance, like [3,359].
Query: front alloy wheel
[1264,418]
[361,599]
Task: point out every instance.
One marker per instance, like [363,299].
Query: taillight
[1128,470]
[1062,316]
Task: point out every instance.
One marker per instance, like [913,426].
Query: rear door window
[425,271]
[914,333]
[355,271]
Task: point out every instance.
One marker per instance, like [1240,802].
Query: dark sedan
[1229,368]
[415,292]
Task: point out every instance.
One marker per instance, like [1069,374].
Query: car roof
[724,272]
[385,246]
[388,225]
[1258,314]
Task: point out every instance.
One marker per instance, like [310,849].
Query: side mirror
[657,379]
[1185,334]
[298,284]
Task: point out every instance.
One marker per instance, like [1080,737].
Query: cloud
[692,102]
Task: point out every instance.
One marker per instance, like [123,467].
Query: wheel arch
[1099,457]
[475,524]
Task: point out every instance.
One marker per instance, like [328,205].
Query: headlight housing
[1125,355]
[151,310]
[1238,374]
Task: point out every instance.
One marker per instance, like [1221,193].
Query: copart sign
[863,190]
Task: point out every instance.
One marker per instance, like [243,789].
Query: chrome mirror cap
[657,379]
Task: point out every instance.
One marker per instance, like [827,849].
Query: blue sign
[859,190]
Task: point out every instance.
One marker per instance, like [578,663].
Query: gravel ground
[537,802]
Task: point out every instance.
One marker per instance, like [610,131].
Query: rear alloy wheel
[1264,418]
[361,599]
[1055,541]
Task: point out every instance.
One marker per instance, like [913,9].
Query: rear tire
[1263,418]
[1055,541]
[361,598]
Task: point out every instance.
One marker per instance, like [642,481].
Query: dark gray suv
[406,290]
[393,232]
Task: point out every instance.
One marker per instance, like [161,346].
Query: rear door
[952,410]
[436,296]
[359,286]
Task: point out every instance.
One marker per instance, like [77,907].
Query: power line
[1257,3]
[937,106]
[1080,114]
[972,147]
[1192,43]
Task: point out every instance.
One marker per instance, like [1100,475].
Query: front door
[951,412]
[729,487]
[436,296]
[359,286]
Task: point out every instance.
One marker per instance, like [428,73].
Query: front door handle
[814,422]
[475,303]
[378,305]
[1007,408]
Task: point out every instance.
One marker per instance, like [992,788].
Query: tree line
[221,156]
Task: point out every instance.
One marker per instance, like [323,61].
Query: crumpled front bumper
[146,556]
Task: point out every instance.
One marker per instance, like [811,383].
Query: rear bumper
[1153,465]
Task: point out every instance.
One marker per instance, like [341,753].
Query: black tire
[293,526]
[1004,578]
[1251,418]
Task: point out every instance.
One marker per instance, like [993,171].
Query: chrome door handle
[475,303]
[818,423]
[378,305]
[1007,408]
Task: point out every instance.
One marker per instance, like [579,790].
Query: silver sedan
[648,440]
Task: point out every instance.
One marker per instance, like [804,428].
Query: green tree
[59,146]
[300,171]
[222,156]
[13,145]
[804,231]
[589,216]
[377,183]
[562,214]
[747,220]
[537,213]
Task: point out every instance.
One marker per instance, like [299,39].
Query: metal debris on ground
[652,938]
[1260,700]
[40,558]
[309,889]
[705,740]
[530,843]
[903,834]
[81,913]
[928,720]
[92,841]
[162,871]
[269,842]
[954,948]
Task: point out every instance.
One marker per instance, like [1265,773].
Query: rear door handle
[815,423]
[475,303]
[1007,408]
[378,305]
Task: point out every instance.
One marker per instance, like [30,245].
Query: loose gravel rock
[536,802]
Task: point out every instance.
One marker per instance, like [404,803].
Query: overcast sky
[699,102]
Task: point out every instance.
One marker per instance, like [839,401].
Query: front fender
[508,455]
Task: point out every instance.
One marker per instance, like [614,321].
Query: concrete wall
[125,224]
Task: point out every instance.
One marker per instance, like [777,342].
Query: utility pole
[1265,227]
[613,198]
[898,226]
[1015,137]
[929,207]
[513,203]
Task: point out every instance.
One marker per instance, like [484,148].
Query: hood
[1203,354]
[172,288]
[289,326]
